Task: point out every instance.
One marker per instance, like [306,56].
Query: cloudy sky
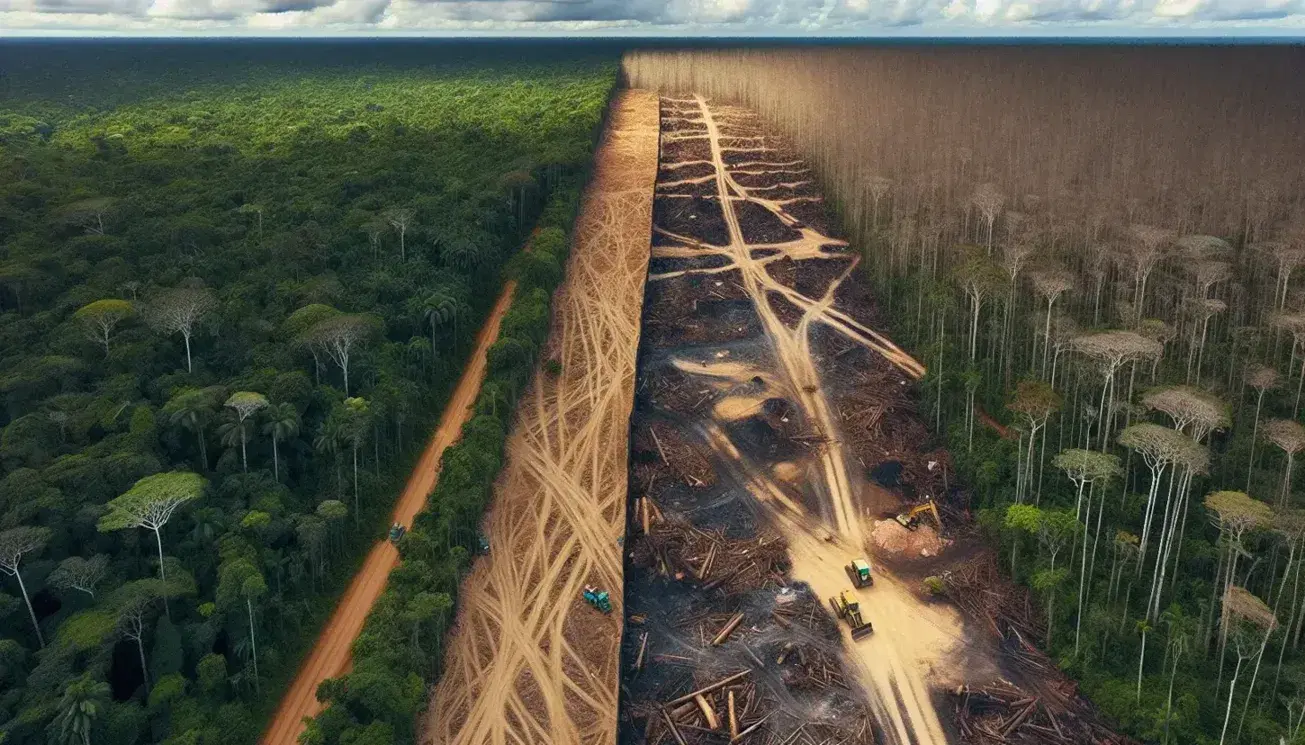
[655,17]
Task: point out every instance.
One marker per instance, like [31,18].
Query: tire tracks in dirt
[529,661]
[910,647]
[330,656]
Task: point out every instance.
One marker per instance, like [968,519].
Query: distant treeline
[1101,246]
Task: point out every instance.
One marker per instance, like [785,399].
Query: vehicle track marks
[529,661]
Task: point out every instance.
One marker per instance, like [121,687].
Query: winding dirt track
[331,654]
[909,650]
[529,661]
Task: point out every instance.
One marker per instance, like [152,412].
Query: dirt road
[330,656]
[529,661]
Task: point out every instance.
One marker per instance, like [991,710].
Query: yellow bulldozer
[847,608]
[911,518]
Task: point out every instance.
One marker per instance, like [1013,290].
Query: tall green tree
[150,504]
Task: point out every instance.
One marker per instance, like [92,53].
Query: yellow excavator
[911,518]
[847,608]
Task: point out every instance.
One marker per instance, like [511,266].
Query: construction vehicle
[482,544]
[598,598]
[911,519]
[396,532]
[859,572]
[847,608]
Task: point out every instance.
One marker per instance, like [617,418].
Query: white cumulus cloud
[692,17]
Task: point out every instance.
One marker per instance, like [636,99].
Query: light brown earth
[529,661]
[330,656]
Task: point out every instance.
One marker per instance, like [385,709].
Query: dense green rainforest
[236,284]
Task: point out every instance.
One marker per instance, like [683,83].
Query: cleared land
[529,661]
[774,431]
[330,656]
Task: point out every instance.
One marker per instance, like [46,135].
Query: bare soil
[529,661]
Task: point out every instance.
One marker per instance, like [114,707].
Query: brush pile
[673,451]
[756,676]
[978,588]
[1047,710]
[1003,713]
[674,547]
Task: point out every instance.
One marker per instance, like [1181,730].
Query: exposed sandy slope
[330,656]
[529,661]
[909,650]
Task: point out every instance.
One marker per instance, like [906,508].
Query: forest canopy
[233,295]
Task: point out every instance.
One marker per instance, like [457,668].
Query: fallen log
[749,730]
[707,711]
[675,731]
[728,629]
[709,688]
[734,719]
[643,647]
[784,652]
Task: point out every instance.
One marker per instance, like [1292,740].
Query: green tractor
[859,572]
[598,598]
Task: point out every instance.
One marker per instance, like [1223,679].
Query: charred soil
[772,429]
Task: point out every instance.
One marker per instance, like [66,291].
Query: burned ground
[773,431]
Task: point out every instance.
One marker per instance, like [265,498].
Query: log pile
[978,588]
[1047,710]
[674,547]
[1005,714]
[730,670]
[673,451]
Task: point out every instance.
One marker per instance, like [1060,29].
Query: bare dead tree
[1110,350]
[1194,412]
[400,218]
[1050,285]
[1288,435]
[16,543]
[1262,378]
[179,311]
[340,336]
[1294,324]
[77,573]
[1145,250]
[1286,257]
[988,200]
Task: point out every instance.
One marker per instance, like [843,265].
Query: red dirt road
[330,656]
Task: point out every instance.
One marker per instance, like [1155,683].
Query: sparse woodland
[1102,248]
[235,291]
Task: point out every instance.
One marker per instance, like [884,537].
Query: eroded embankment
[529,661]
[765,399]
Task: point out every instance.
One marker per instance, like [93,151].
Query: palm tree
[282,423]
[437,307]
[328,440]
[84,702]
[191,410]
